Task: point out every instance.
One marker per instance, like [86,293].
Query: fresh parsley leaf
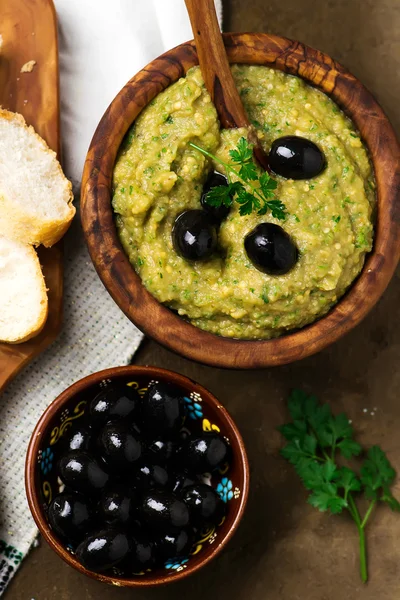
[243,152]
[349,447]
[301,404]
[348,480]
[294,453]
[388,497]
[219,195]
[223,194]
[320,421]
[326,498]
[310,444]
[310,472]
[341,427]
[276,207]
[329,470]
[315,437]
[248,172]
[236,188]
[268,185]
[296,404]
[247,202]
[376,472]
[294,431]
[319,480]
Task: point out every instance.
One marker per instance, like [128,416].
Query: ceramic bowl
[124,284]
[204,412]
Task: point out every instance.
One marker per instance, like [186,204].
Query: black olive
[116,402]
[184,435]
[217,213]
[214,179]
[103,549]
[174,544]
[205,505]
[163,510]
[117,506]
[150,476]
[81,472]
[161,451]
[79,438]
[206,453]
[143,554]
[194,236]
[180,480]
[163,408]
[295,157]
[271,249]
[119,446]
[70,516]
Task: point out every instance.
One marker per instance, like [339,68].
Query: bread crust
[37,327]
[14,223]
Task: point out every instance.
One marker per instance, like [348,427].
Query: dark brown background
[285,549]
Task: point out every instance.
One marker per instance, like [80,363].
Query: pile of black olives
[134,494]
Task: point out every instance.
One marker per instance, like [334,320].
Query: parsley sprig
[260,198]
[315,439]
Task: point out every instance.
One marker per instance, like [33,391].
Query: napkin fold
[103,43]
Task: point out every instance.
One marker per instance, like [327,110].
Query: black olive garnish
[271,249]
[194,235]
[295,157]
[217,213]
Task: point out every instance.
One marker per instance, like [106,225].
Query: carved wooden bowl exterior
[204,413]
[124,284]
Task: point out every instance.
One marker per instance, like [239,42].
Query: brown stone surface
[286,549]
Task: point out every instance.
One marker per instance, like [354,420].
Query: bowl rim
[125,286]
[41,430]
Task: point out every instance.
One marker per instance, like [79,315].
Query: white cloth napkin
[102,44]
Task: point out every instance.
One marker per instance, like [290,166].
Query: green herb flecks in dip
[158,175]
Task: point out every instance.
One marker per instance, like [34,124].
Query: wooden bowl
[124,284]
[205,413]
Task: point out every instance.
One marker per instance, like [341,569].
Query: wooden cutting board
[29,30]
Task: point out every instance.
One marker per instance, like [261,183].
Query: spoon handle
[214,64]
[217,74]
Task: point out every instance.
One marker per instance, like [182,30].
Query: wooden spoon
[217,74]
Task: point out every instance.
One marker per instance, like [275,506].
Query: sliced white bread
[35,196]
[23,296]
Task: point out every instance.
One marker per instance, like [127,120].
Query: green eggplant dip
[158,175]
